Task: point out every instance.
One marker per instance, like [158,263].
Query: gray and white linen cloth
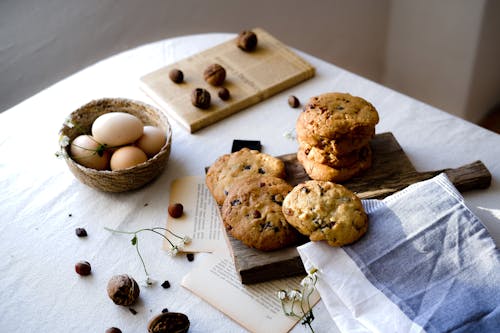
[426,264]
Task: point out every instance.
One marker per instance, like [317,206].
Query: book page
[200,220]
[251,77]
[258,310]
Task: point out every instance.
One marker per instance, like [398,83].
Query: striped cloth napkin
[427,264]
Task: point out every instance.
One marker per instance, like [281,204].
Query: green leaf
[134,240]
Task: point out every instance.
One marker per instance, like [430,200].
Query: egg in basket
[116,144]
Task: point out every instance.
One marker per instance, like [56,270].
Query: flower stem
[140,257]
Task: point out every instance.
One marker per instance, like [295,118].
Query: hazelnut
[247,40]
[123,289]
[200,98]
[175,210]
[83,268]
[293,101]
[223,93]
[176,75]
[81,232]
[215,74]
[169,322]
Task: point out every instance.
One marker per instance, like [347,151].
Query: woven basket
[120,180]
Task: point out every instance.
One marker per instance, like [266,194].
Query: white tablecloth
[41,203]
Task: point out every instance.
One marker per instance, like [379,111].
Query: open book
[251,78]
[259,309]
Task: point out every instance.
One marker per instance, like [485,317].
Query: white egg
[117,128]
[152,140]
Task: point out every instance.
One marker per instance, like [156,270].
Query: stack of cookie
[334,133]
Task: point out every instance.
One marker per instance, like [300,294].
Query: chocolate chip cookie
[320,171]
[333,115]
[326,211]
[252,213]
[243,163]
[342,145]
[325,156]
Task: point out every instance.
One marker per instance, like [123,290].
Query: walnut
[169,322]
[215,75]
[123,289]
[247,40]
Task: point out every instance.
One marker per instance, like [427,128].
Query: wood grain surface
[391,171]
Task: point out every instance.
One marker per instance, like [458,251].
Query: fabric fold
[427,264]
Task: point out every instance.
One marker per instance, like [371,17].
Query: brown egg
[117,128]
[86,151]
[152,140]
[127,157]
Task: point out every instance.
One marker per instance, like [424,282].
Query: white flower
[186,240]
[173,251]
[69,122]
[63,140]
[180,244]
[282,295]
[290,134]
[295,295]
[148,282]
[307,281]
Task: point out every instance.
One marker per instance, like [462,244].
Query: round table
[42,203]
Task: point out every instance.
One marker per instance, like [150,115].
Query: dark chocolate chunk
[250,144]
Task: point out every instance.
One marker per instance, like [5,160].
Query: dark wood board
[391,171]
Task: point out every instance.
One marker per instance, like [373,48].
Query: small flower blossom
[290,299]
[63,140]
[173,251]
[148,282]
[290,134]
[69,123]
[282,295]
[295,295]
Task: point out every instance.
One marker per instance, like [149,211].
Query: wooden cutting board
[250,77]
[391,171]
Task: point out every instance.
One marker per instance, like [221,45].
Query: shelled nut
[123,289]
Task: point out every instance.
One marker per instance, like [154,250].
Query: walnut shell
[169,322]
[123,289]
[215,74]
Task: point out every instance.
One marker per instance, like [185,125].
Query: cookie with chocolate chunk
[325,156]
[319,171]
[252,213]
[243,163]
[341,145]
[333,115]
[326,211]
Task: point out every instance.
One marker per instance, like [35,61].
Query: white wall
[42,41]
[437,51]
[441,52]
